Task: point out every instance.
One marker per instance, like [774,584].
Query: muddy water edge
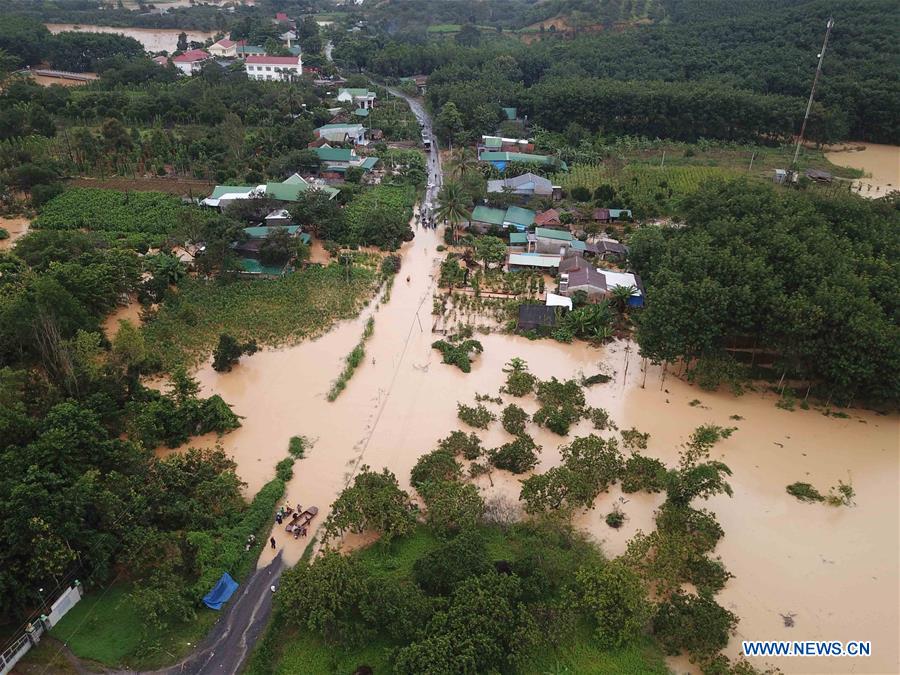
[153,39]
[834,570]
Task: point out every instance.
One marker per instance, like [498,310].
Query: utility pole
[812,91]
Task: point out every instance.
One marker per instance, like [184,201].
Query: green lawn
[272,312]
[105,627]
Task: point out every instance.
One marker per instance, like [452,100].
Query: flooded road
[881,163]
[153,39]
[834,570]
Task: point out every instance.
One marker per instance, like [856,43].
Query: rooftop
[273,60]
[192,56]
[519,216]
[558,235]
[485,214]
[534,260]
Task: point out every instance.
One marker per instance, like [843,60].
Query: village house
[500,144]
[526,185]
[500,160]
[610,215]
[337,160]
[516,262]
[550,217]
[548,240]
[225,48]
[281,68]
[361,98]
[286,191]
[515,217]
[343,133]
[191,61]
[598,283]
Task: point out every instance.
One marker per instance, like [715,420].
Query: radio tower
[812,92]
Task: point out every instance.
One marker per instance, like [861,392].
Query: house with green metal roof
[483,217]
[287,191]
[549,240]
[511,114]
[338,160]
[518,218]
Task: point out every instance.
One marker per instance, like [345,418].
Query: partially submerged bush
[229,351]
[517,456]
[519,382]
[458,353]
[514,419]
[461,443]
[436,466]
[643,473]
[478,416]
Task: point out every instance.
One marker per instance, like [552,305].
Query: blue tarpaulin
[220,593]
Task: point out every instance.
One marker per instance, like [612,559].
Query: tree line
[803,284]
[763,52]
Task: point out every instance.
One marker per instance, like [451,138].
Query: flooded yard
[17,228]
[834,569]
[153,39]
[881,163]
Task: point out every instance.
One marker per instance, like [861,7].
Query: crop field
[272,312]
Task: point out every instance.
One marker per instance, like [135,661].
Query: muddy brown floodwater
[17,228]
[153,39]
[835,569]
[881,163]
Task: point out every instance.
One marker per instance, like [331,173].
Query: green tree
[229,351]
[615,599]
[373,502]
[453,206]
[490,250]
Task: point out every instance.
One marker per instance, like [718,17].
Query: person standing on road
[272,541]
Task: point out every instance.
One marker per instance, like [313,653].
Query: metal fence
[32,635]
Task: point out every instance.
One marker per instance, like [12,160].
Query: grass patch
[273,312]
[106,627]
[354,358]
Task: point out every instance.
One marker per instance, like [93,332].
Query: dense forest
[804,284]
[758,56]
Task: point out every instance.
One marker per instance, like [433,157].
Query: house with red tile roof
[191,61]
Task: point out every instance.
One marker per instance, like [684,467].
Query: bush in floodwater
[458,353]
[600,419]
[634,439]
[285,469]
[518,456]
[805,492]
[297,446]
[599,378]
[461,443]
[643,473]
[514,419]
[229,351]
[519,382]
[478,416]
[615,518]
[436,466]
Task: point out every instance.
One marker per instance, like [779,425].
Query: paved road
[227,646]
[435,170]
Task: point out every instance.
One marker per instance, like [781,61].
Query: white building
[361,98]
[191,61]
[273,67]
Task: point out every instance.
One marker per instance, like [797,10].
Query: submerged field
[273,312]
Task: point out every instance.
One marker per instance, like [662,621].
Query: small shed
[534,317]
